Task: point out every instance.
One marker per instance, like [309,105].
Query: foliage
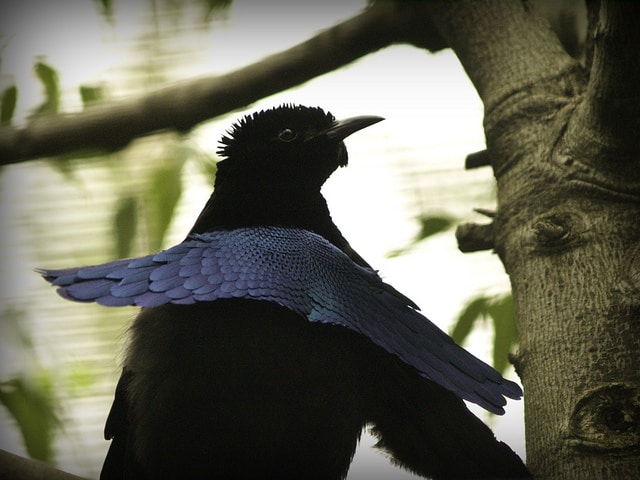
[430,225]
[8,105]
[215,7]
[31,403]
[125,225]
[501,312]
[29,397]
[48,76]
[210,8]
[162,194]
[433,224]
[141,216]
[91,94]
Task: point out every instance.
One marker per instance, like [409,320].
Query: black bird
[266,343]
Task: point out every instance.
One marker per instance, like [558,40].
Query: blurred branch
[13,467]
[111,126]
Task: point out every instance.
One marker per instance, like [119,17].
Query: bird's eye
[287,134]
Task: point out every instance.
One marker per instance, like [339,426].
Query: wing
[303,272]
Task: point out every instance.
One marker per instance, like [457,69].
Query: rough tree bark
[565,150]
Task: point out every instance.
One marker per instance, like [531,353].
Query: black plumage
[266,343]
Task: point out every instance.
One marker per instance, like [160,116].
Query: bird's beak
[341,129]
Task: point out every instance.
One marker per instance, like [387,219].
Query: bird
[265,343]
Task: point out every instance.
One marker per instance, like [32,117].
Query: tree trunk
[564,149]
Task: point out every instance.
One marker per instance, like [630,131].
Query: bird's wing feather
[298,270]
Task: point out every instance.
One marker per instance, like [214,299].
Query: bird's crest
[242,133]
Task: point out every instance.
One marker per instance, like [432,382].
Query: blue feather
[298,270]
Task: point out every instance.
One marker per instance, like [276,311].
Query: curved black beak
[341,129]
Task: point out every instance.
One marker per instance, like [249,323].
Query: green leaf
[500,310]
[106,7]
[49,79]
[8,106]
[14,321]
[81,376]
[162,195]
[475,309]
[125,225]
[214,7]
[433,224]
[91,94]
[32,407]
[429,225]
[503,315]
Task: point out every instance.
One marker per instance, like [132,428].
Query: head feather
[238,134]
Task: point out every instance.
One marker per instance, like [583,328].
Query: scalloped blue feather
[298,270]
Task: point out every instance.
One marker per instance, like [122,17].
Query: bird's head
[287,147]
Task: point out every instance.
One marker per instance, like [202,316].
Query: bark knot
[556,231]
[607,419]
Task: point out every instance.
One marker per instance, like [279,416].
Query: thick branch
[607,122]
[477,160]
[109,127]
[474,237]
[524,50]
[18,468]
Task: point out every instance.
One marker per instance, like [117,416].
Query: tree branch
[15,467]
[474,237]
[607,121]
[112,126]
[477,160]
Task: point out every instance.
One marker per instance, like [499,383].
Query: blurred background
[398,201]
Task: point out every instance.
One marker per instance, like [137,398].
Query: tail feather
[430,431]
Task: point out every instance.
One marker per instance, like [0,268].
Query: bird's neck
[301,209]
